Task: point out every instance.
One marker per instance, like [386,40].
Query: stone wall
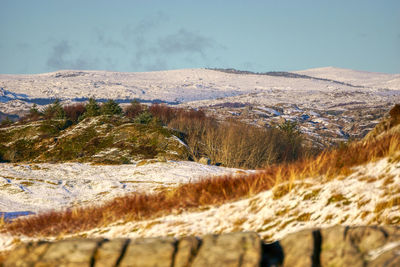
[337,246]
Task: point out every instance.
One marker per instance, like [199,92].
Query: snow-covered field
[43,187]
[202,84]
[365,197]
[356,199]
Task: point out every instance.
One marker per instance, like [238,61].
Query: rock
[298,249]
[351,246]
[110,252]
[26,254]
[336,250]
[187,250]
[74,252]
[149,252]
[390,258]
[205,161]
[237,249]
[336,246]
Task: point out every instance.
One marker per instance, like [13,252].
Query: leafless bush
[133,110]
[74,111]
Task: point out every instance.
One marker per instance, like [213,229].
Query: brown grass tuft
[212,191]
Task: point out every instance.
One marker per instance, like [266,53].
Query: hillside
[103,139]
[358,78]
[335,106]
[352,185]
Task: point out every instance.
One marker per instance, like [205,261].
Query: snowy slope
[42,187]
[361,78]
[358,199]
[368,196]
[178,85]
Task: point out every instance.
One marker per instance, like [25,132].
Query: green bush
[92,109]
[54,111]
[34,113]
[144,118]
[110,108]
[6,122]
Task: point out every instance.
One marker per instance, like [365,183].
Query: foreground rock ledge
[336,246]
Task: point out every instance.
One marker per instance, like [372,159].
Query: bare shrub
[133,110]
[395,115]
[163,113]
[74,111]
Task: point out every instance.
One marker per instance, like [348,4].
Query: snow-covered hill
[335,105]
[358,78]
[193,84]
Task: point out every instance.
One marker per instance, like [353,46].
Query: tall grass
[210,191]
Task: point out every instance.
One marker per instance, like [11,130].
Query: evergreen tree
[54,111]
[34,113]
[6,122]
[144,118]
[111,108]
[92,109]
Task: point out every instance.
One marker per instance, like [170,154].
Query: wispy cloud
[60,57]
[185,41]
[151,46]
[106,41]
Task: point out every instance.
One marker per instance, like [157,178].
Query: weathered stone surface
[149,252]
[26,255]
[390,258]
[187,250]
[237,249]
[336,246]
[337,250]
[298,249]
[73,252]
[205,161]
[110,252]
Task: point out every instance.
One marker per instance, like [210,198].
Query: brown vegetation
[74,111]
[233,143]
[133,110]
[207,192]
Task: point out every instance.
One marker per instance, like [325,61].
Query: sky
[135,36]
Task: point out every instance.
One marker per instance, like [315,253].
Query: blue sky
[49,35]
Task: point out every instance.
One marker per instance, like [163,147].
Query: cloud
[152,45]
[60,57]
[106,41]
[185,41]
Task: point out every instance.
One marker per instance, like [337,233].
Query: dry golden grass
[211,191]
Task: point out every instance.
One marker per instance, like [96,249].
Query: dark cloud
[138,38]
[185,41]
[60,58]
[139,31]
[106,41]
[154,54]
[152,49]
